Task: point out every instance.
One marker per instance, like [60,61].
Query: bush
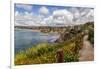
[46,52]
[70,57]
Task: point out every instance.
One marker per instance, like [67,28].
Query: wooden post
[60,56]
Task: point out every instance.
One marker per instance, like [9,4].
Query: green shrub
[70,57]
[46,52]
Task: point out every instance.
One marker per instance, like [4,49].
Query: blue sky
[32,14]
[35,8]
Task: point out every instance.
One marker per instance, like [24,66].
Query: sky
[49,15]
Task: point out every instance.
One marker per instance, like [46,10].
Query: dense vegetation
[46,52]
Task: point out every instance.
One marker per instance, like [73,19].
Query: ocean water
[24,38]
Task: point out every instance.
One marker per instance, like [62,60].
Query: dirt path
[87,51]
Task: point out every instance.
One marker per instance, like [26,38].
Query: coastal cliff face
[71,32]
[73,41]
[67,35]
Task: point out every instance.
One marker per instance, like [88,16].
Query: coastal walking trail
[87,51]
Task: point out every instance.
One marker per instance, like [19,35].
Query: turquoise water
[24,38]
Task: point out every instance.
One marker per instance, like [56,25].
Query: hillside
[70,43]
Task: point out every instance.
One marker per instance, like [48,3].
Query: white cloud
[16,13]
[60,17]
[87,15]
[26,7]
[43,10]
[84,11]
[90,15]
[82,15]
[76,14]
[27,19]
[63,15]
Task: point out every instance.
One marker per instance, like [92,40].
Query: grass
[46,52]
